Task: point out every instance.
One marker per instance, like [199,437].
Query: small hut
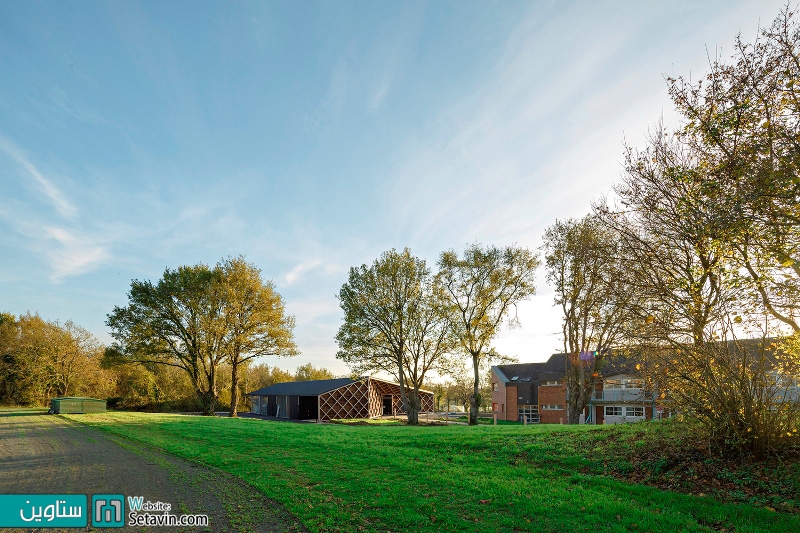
[74,404]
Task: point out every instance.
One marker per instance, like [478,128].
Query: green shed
[71,404]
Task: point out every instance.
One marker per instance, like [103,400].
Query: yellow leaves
[650,319]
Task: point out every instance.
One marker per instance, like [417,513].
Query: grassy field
[454,478]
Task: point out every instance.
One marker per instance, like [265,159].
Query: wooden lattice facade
[367,398]
[334,399]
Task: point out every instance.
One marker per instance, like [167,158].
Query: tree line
[40,360]
[182,342]
[402,319]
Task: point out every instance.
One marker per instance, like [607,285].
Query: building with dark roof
[330,399]
[537,392]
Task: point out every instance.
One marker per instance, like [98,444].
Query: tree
[430,341]
[195,318]
[586,269]
[41,359]
[308,372]
[390,323]
[743,122]
[689,302]
[177,322]
[261,375]
[480,289]
[253,316]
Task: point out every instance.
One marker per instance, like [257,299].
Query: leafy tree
[480,289]
[177,321]
[430,342]
[195,318]
[689,305]
[260,376]
[391,323]
[40,360]
[308,372]
[587,270]
[254,319]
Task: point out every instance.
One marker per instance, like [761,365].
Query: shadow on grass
[22,411]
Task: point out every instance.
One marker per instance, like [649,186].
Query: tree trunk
[475,399]
[403,395]
[234,388]
[208,401]
[413,408]
[209,396]
[574,412]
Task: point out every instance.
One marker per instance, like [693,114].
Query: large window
[531,411]
[283,407]
[613,410]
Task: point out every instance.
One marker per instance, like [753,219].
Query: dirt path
[49,454]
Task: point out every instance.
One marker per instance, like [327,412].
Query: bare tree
[743,122]
[587,269]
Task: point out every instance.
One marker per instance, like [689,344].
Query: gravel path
[49,454]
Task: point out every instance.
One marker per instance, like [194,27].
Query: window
[613,410]
[494,387]
[624,383]
[634,411]
[283,407]
[551,383]
[552,407]
[529,411]
[494,406]
[502,408]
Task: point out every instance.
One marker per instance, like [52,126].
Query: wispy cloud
[73,254]
[62,205]
[66,248]
[492,165]
[297,272]
[60,99]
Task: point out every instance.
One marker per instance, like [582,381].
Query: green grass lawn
[440,478]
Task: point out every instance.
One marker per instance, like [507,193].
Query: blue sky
[312,136]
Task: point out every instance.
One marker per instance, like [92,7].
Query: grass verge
[452,478]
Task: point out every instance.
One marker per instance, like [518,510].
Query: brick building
[537,391]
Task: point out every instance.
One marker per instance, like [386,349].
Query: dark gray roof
[303,388]
[621,362]
[556,366]
[553,368]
